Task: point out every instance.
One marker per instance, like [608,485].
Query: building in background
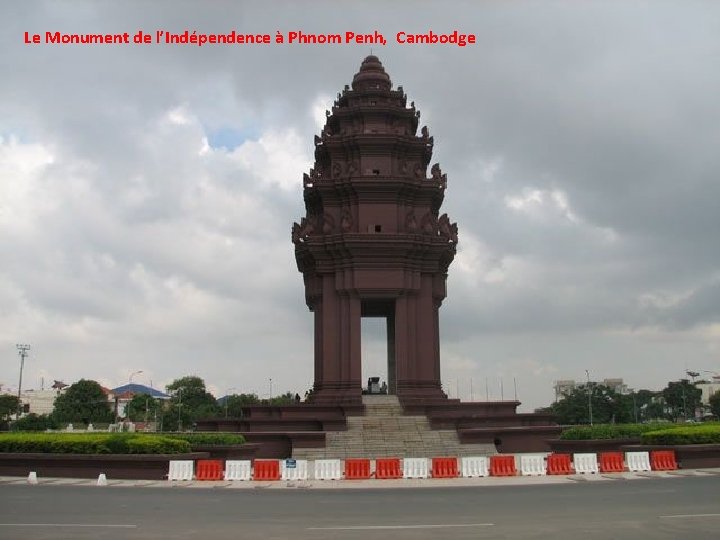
[563,388]
[122,395]
[39,401]
[708,389]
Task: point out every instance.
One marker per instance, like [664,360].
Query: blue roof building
[135,389]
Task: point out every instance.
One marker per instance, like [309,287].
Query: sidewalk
[488,481]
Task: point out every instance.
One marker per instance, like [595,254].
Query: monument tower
[373,242]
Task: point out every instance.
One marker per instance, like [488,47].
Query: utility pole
[227,399]
[23,352]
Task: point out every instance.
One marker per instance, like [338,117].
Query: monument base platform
[311,429]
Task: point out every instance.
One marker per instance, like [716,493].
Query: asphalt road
[668,508]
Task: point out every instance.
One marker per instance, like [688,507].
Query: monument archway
[373,242]
[384,310]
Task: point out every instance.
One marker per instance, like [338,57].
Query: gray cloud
[580,143]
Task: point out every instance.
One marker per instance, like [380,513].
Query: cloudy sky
[147,192]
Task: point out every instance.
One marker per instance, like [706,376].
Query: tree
[83,402]
[232,405]
[647,406]
[681,398]
[715,404]
[654,411]
[607,406]
[288,398]
[190,401]
[142,408]
[8,407]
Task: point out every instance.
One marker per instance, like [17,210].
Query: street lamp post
[23,352]
[227,399]
[133,374]
[127,412]
[589,396]
[635,411]
[179,409]
[684,402]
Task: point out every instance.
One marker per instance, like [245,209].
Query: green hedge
[207,438]
[92,443]
[702,434]
[152,444]
[607,431]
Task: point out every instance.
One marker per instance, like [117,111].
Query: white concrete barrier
[32,478]
[294,469]
[585,463]
[102,480]
[472,467]
[638,461]
[181,469]
[328,469]
[240,469]
[415,467]
[533,465]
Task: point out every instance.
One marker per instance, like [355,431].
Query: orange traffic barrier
[209,469]
[559,464]
[444,467]
[502,466]
[266,469]
[663,460]
[612,462]
[388,468]
[357,469]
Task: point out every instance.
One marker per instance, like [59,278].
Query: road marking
[381,527]
[104,525]
[691,516]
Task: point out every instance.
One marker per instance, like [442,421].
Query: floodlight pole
[23,352]
[589,396]
[179,409]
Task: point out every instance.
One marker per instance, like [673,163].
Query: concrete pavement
[662,506]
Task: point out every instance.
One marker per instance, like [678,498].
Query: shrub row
[607,431]
[92,443]
[702,434]
[207,438]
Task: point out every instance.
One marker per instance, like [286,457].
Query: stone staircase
[385,432]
